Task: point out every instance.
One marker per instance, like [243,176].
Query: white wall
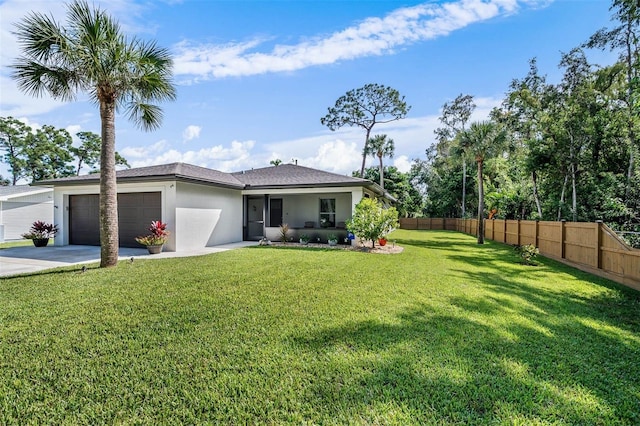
[17,217]
[207,216]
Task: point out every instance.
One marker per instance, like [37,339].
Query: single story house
[20,206]
[204,207]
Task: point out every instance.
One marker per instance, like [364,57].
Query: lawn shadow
[461,367]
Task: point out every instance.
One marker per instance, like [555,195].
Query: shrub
[527,252]
[371,220]
[284,230]
[158,234]
[41,231]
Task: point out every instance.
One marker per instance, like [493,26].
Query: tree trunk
[381,172]
[564,187]
[464,187]
[630,129]
[480,204]
[364,153]
[108,187]
[534,178]
[632,149]
[574,203]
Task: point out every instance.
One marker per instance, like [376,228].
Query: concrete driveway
[29,259]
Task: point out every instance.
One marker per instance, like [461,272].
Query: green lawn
[447,332]
[18,243]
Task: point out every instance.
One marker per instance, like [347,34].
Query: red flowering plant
[41,231]
[158,235]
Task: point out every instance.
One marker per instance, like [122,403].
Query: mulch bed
[390,248]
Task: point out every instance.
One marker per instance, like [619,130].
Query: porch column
[356,196]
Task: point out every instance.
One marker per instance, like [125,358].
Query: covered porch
[315,212]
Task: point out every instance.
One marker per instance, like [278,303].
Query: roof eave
[23,194]
[306,185]
[135,179]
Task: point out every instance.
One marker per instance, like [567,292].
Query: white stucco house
[204,207]
[20,206]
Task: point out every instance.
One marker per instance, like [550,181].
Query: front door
[255,218]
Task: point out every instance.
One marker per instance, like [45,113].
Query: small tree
[371,220]
[365,107]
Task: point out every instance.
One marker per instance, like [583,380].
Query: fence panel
[550,238]
[512,232]
[581,243]
[499,230]
[528,232]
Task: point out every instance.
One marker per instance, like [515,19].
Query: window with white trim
[327,212]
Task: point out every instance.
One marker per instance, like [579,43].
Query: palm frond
[146,116]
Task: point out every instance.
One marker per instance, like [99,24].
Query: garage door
[135,213]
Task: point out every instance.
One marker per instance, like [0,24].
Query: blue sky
[254,77]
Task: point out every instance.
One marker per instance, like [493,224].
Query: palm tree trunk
[480,204]
[364,153]
[381,172]
[108,187]
[464,186]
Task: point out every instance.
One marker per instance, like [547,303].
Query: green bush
[371,220]
[527,252]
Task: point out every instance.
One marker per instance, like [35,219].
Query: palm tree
[483,140]
[91,55]
[379,146]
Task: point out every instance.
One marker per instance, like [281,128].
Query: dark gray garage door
[135,213]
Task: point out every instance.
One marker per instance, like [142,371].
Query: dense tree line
[570,149]
[47,152]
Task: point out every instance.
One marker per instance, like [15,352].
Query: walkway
[29,259]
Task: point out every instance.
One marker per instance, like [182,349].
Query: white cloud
[402,163]
[218,157]
[190,133]
[336,156]
[371,37]
[129,14]
[73,129]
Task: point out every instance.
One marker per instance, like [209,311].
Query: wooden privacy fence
[591,247]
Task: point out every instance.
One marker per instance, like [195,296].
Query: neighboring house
[20,206]
[204,207]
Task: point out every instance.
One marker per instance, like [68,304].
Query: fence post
[562,238]
[598,244]
[504,231]
[518,232]
[535,234]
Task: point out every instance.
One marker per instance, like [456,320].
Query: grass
[446,332]
[17,243]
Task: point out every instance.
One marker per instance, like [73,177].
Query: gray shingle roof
[17,190]
[294,175]
[177,171]
[282,176]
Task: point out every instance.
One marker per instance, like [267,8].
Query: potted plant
[332,239]
[156,239]
[304,239]
[40,233]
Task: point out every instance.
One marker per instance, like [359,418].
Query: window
[327,212]
[275,212]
